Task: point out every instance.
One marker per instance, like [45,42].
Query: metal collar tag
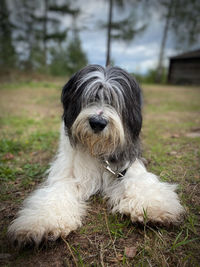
[117,174]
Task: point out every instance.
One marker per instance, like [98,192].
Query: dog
[99,151]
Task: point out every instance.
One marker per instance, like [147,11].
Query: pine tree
[68,59]
[7,51]
[26,33]
[38,27]
[48,21]
[125,29]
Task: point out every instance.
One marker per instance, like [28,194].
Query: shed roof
[191,54]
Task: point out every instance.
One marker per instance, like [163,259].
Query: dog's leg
[51,211]
[141,195]
[58,206]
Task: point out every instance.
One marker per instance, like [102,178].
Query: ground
[30,113]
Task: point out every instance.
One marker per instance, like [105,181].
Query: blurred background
[58,37]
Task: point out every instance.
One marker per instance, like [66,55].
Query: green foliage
[185,23]
[181,19]
[42,140]
[76,56]
[177,243]
[7,173]
[150,76]
[59,63]
[7,51]
[126,29]
[34,171]
[66,61]
[36,26]
[64,9]
[9,145]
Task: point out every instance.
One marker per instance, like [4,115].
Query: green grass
[30,113]
[30,84]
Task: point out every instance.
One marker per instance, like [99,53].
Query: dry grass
[29,121]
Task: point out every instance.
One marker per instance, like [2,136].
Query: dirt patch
[194,133]
[29,101]
[41,157]
[91,247]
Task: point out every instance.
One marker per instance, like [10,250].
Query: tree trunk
[163,44]
[109,32]
[45,31]
[7,51]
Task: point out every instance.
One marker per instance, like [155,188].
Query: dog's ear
[71,100]
[71,96]
[133,100]
[131,113]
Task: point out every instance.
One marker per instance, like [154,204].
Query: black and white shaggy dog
[99,151]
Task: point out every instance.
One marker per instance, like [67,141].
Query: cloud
[139,55]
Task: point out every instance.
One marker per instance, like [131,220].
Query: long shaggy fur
[59,205]
[105,143]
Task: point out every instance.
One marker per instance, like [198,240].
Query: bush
[150,76]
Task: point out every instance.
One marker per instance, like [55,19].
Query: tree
[7,51]
[70,59]
[77,58]
[66,60]
[57,35]
[26,32]
[109,32]
[168,17]
[182,20]
[186,23]
[125,29]
[37,27]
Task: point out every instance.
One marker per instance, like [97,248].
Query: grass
[30,113]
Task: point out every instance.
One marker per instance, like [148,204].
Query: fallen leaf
[130,252]
[8,156]
[175,136]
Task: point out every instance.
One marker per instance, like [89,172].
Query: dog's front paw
[158,204]
[25,231]
[161,215]
[161,207]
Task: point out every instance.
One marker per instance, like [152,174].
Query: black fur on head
[111,86]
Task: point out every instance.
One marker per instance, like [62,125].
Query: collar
[116,174]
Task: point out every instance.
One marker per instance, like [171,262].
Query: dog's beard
[104,143]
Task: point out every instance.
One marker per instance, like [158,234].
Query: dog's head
[102,110]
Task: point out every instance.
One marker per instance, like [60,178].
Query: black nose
[97,123]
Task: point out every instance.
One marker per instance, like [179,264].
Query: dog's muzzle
[97,123]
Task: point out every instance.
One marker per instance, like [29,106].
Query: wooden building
[185,68]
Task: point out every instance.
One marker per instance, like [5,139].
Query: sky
[138,56]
